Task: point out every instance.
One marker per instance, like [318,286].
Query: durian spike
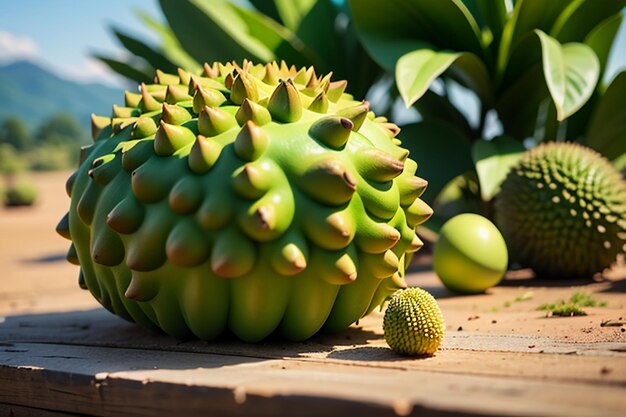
[213,121]
[377,165]
[166,79]
[381,265]
[243,88]
[211,71]
[119,124]
[285,104]
[417,213]
[332,131]
[144,127]
[186,245]
[174,115]
[246,65]
[410,188]
[107,248]
[141,288]
[72,255]
[97,124]
[69,184]
[123,112]
[251,182]
[328,181]
[224,69]
[391,128]
[333,231]
[184,76]
[336,268]
[81,280]
[228,80]
[127,216]
[251,142]
[336,89]
[256,113]
[356,114]
[148,103]
[284,69]
[325,82]
[131,99]
[134,157]
[214,213]
[271,74]
[289,260]
[416,244]
[105,169]
[176,93]
[233,254]
[85,151]
[170,138]
[203,155]
[376,237]
[63,228]
[301,77]
[319,103]
[207,97]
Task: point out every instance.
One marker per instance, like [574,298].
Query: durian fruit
[413,323]
[249,198]
[562,211]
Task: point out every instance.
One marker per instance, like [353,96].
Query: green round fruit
[470,255]
[248,198]
[413,324]
[562,211]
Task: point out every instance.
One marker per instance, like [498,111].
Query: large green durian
[562,211]
[252,198]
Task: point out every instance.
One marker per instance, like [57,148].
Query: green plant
[562,211]
[303,32]
[413,323]
[572,307]
[19,194]
[533,65]
[251,198]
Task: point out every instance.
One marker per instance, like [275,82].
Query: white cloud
[14,47]
[90,70]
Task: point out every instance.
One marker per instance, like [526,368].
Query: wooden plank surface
[62,354]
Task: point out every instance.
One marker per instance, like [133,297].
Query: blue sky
[61,34]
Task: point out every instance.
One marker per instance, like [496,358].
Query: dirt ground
[35,278]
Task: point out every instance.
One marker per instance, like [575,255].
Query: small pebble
[460,329]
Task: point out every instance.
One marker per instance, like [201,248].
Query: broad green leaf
[211,30]
[288,12]
[416,71]
[527,16]
[406,25]
[441,151]
[607,129]
[490,14]
[571,72]
[140,49]
[581,16]
[493,160]
[127,70]
[600,39]
[432,106]
[317,30]
[170,45]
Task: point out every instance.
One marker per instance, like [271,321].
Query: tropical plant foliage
[301,32]
[535,67]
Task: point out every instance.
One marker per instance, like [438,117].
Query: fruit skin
[562,211]
[470,255]
[413,323]
[250,198]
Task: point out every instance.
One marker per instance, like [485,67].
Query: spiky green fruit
[413,324]
[253,198]
[562,211]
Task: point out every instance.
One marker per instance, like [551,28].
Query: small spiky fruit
[413,324]
[249,198]
[562,211]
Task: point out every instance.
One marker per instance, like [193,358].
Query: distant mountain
[34,94]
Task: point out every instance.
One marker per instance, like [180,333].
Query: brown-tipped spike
[417,213]
[127,216]
[356,114]
[176,93]
[170,138]
[144,127]
[123,112]
[228,80]
[81,280]
[336,89]
[301,76]
[285,104]
[319,103]
[249,110]
[391,129]
[85,151]
[166,79]
[243,88]
[313,80]
[148,103]
[328,181]
[174,115]
[72,255]
[141,289]
[184,76]
[332,131]
[416,244]
[250,182]
[97,124]
[211,71]
[203,155]
[206,97]
[251,142]
[213,121]
[271,74]
[377,165]
[63,228]
[325,81]
[289,260]
[410,188]
[131,99]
